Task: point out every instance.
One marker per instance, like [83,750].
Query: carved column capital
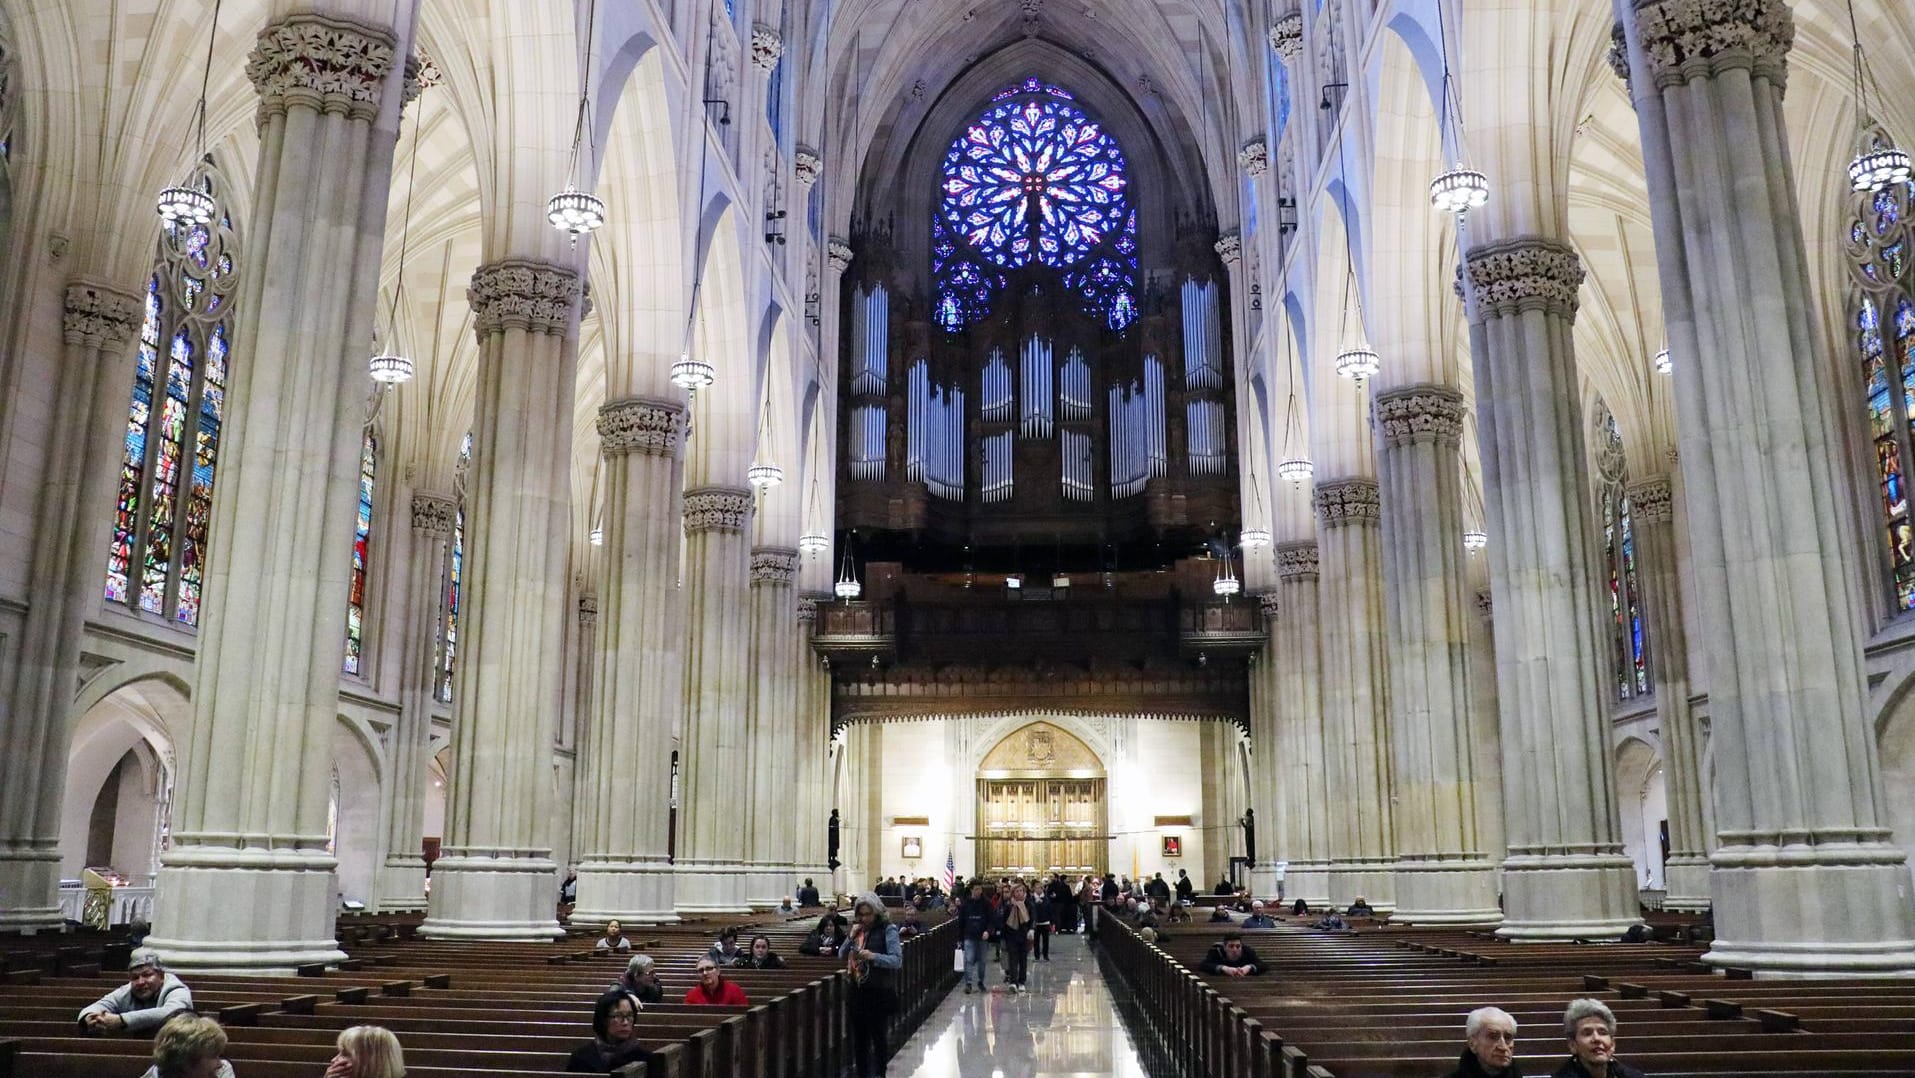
[807,167]
[1618,55]
[1269,604]
[1524,274]
[1286,36]
[1483,604]
[1349,501]
[1254,157]
[640,425]
[807,611]
[1688,39]
[98,315]
[1229,247]
[1297,561]
[1651,501]
[766,46]
[588,608]
[324,62]
[1420,413]
[717,509]
[838,254]
[422,74]
[773,565]
[519,293]
[433,514]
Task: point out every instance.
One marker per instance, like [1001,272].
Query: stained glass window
[454,585]
[1034,179]
[362,534]
[1628,643]
[1883,328]
[156,559]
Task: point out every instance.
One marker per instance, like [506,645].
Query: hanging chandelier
[1297,470]
[1358,363]
[1879,163]
[189,203]
[1460,188]
[813,543]
[598,535]
[1295,466]
[847,587]
[763,477]
[388,368]
[692,375]
[1474,541]
[572,211]
[1227,583]
[1253,539]
[185,206]
[1664,365]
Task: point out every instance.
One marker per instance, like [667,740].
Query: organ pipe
[870,340]
[1076,386]
[997,399]
[1206,437]
[1076,465]
[1158,445]
[1203,337]
[997,467]
[1036,385]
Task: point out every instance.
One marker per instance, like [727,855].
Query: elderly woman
[189,1046]
[826,938]
[614,1036]
[367,1052]
[873,955]
[641,980]
[1590,1028]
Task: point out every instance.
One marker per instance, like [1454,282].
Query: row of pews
[498,1010]
[1390,1002]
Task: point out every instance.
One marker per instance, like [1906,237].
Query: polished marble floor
[1065,1026]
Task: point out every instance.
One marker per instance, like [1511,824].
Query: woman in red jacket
[713,988]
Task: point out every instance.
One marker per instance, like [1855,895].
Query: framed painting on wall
[1173,846]
[913,847]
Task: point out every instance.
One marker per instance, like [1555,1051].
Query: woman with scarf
[872,955]
[1017,927]
[614,1036]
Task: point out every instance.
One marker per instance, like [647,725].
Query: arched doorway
[1041,805]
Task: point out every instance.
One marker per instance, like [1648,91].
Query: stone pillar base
[1568,896]
[217,909]
[1309,881]
[1822,914]
[30,890]
[634,892]
[768,884]
[1440,892]
[1685,878]
[711,887]
[480,894]
[1265,880]
[1373,880]
[401,885]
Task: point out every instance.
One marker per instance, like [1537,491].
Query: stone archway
[1041,805]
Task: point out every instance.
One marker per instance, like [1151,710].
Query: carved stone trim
[773,565]
[1420,413]
[1483,604]
[640,425]
[1254,157]
[1229,247]
[766,46]
[1269,603]
[323,62]
[806,167]
[1689,39]
[1524,274]
[1618,55]
[588,608]
[1297,561]
[1651,501]
[422,74]
[1286,36]
[807,611]
[519,293]
[433,514]
[1349,501]
[838,254]
[717,509]
[98,315]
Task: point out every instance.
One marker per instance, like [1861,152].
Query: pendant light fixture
[692,374]
[1879,163]
[572,211]
[847,587]
[1356,361]
[388,365]
[1474,540]
[1227,583]
[1295,464]
[1460,188]
[764,474]
[1664,365]
[189,203]
[814,541]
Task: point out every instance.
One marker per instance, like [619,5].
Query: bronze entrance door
[1037,826]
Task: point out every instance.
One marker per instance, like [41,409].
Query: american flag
[950,871]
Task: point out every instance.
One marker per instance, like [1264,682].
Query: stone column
[1302,786]
[1355,695]
[1443,875]
[1566,875]
[1686,871]
[496,879]
[771,726]
[625,749]
[87,429]
[1274,829]
[248,883]
[1807,879]
[401,880]
[812,756]
[714,769]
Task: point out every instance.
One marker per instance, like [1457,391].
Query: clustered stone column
[248,882]
[1274,830]
[1355,693]
[812,756]
[1566,875]
[1302,783]
[400,883]
[1806,877]
[711,832]
[86,428]
[772,725]
[1443,875]
[625,754]
[497,879]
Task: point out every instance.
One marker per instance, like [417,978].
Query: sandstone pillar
[1302,777]
[1275,836]
[771,726]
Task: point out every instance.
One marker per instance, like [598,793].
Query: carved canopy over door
[1041,806]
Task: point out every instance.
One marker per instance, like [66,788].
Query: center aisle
[1066,1024]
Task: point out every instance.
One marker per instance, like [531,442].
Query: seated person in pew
[785,905]
[1361,908]
[826,938]
[1330,922]
[1491,1033]
[143,1004]
[641,980]
[724,950]
[714,989]
[1590,1028]
[760,956]
[614,1036]
[1232,958]
[1219,915]
[1257,918]
[367,1052]
[1301,909]
[614,939]
[189,1046]
[808,894]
